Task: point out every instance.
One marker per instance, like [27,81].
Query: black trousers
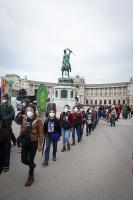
[8,126]
[5,149]
[28,155]
[88,128]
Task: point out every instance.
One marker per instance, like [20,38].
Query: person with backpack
[31,134]
[5,147]
[8,113]
[66,121]
[52,132]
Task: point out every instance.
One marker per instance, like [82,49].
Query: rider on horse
[66,66]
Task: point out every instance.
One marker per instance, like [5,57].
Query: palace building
[87,94]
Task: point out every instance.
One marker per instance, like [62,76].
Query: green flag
[42,98]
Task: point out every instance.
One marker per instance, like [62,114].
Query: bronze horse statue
[66,66]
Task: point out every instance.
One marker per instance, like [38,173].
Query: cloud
[34,33]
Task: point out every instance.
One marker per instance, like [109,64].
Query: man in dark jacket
[8,113]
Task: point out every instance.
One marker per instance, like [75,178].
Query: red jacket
[66,120]
[77,118]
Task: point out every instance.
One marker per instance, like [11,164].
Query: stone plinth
[64,93]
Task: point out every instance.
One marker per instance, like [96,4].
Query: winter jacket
[37,129]
[52,126]
[66,120]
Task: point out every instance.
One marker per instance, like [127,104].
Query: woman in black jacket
[52,131]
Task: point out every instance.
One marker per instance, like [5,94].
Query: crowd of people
[38,134]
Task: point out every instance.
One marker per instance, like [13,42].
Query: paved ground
[97,169]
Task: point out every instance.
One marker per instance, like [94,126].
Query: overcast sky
[34,33]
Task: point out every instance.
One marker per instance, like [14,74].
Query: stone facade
[85,93]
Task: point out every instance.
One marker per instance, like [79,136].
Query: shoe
[68,147]
[64,148]
[45,163]
[87,134]
[5,169]
[29,181]
[73,143]
[54,158]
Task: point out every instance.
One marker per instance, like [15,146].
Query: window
[64,94]
[105,102]
[114,101]
[86,101]
[71,95]
[109,102]
[123,101]
[119,101]
[95,101]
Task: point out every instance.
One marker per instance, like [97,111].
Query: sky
[34,33]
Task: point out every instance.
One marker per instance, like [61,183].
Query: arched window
[119,101]
[109,102]
[86,101]
[105,102]
[95,101]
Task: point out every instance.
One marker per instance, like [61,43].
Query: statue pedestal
[64,93]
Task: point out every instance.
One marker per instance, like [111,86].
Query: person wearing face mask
[8,113]
[77,116]
[66,120]
[83,120]
[31,134]
[20,115]
[52,131]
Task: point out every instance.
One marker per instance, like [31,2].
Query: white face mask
[4,100]
[30,114]
[24,104]
[76,110]
[51,115]
[65,110]
[81,110]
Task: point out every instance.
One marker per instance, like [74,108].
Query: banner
[6,87]
[42,95]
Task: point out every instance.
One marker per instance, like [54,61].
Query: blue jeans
[65,136]
[50,140]
[78,131]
